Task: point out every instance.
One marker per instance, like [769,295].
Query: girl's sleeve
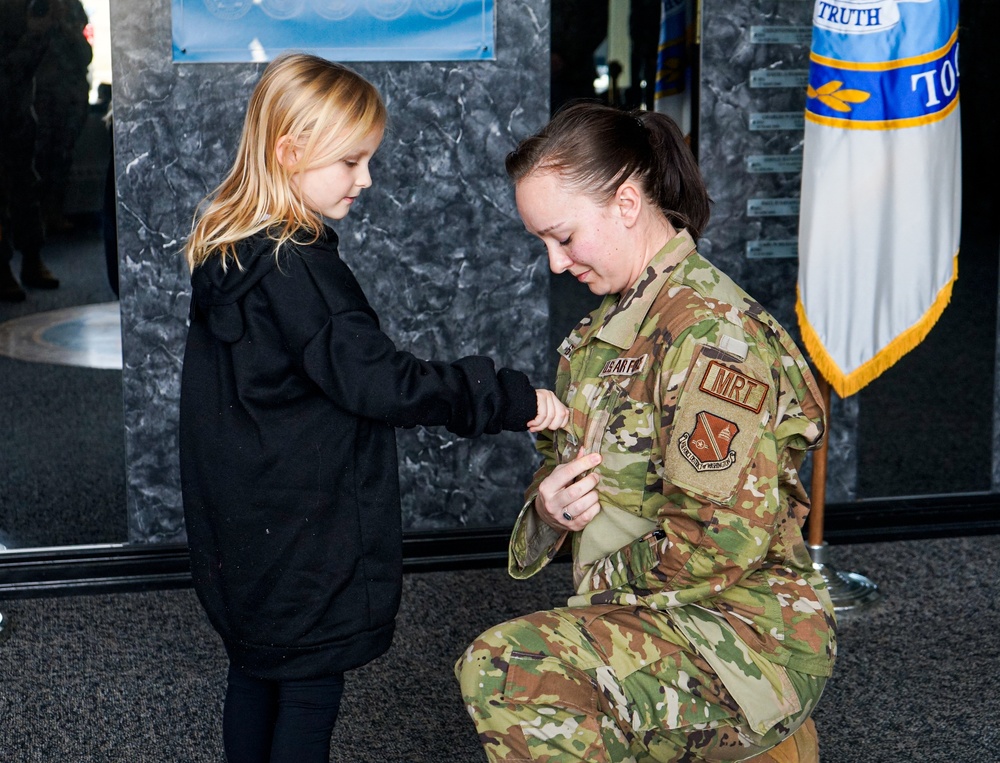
[329,325]
[360,368]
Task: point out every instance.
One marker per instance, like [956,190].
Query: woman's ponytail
[675,182]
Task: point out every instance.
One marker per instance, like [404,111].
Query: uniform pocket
[661,683]
[672,693]
[538,679]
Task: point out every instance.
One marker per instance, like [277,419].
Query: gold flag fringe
[848,384]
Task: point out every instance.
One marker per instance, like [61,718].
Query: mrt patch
[734,387]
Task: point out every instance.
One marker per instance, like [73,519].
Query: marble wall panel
[436,243]
[733,64]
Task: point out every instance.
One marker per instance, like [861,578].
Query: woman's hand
[552,414]
[566,499]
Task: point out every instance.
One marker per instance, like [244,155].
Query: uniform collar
[619,321]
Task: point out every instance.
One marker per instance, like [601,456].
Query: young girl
[289,398]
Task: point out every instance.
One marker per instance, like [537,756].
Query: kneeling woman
[699,629]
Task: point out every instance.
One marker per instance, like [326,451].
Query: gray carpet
[139,677]
[63,454]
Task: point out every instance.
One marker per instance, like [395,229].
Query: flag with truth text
[881,195]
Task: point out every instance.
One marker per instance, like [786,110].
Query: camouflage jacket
[702,408]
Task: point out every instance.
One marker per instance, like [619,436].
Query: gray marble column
[752,54]
[436,243]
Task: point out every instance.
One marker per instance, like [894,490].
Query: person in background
[62,105]
[699,629]
[290,395]
[25,29]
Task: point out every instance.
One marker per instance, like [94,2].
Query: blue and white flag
[672,95]
[881,192]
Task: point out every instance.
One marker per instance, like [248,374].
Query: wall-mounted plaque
[779,78]
[781,35]
[772,207]
[774,163]
[779,248]
[778,120]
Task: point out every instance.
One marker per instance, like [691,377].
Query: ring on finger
[567,516]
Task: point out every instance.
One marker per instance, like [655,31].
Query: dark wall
[436,243]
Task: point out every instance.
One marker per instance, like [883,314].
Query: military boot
[800,747]
[35,274]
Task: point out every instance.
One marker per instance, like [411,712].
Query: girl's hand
[566,500]
[552,414]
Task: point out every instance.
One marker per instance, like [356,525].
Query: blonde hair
[324,109]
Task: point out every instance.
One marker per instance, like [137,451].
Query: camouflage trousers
[607,684]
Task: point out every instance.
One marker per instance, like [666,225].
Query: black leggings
[279,721]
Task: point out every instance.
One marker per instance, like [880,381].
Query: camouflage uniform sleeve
[800,421]
[720,468]
[533,544]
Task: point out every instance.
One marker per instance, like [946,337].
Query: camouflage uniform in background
[699,630]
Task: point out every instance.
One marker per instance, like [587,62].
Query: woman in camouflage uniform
[699,629]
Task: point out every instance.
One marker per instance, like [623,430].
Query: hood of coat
[217,293]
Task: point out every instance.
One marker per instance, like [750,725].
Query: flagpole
[848,590]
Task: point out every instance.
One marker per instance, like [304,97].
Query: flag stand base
[848,590]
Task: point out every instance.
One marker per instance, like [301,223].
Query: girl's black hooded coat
[290,394]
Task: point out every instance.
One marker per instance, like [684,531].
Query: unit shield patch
[707,448]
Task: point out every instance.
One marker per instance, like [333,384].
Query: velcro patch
[735,347]
[625,366]
[734,387]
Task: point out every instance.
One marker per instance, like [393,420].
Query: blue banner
[671,60]
[874,30]
[341,30]
[886,95]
